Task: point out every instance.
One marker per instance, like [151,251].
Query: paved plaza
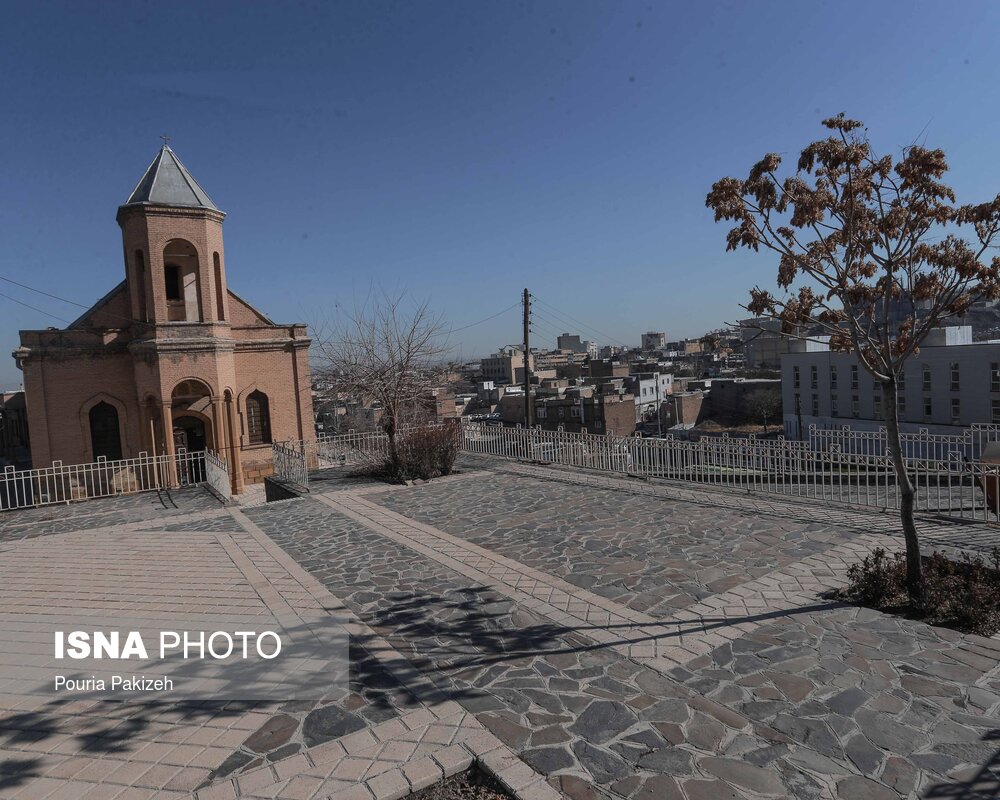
[574,634]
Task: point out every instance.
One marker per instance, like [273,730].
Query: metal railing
[291,462]
[920,445]
[65,483]
[217,475]
[949,483]
[356,447]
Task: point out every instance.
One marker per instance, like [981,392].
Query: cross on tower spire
[166,140]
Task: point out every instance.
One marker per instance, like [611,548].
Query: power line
[556,311]
[555,328]
[39,291]
[545,330]
[39,310]
[63,300]
[486,319]
[545,321]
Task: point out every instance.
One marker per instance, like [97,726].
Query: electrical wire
[62,300]
[131,319]
[546,331]
[486,319]
[33,308]
[548,324]
[557,312]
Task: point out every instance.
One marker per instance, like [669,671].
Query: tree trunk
[907,496]
[395,463]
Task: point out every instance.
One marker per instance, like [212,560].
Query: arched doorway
[191,404]
[189,433]
[105,432]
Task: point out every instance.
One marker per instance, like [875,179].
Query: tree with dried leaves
[389,350]
[854,233]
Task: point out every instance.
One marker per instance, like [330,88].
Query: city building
[571,343]
[171,357]
[554,360]
[654,340]
[608,408]
[607,368]
[506,366]
[684,408]
[763,344]
[574,344]
[650,390]
[951,383]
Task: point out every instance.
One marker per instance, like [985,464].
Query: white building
[650,390]
[951,383]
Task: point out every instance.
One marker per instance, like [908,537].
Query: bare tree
[762,405]
[863,232]
[389,351]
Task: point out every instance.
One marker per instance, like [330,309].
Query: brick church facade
[170,357]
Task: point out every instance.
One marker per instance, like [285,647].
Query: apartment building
[650,390]
[654,340]
[951,383]
[763,344]
[607,408]
[505,367]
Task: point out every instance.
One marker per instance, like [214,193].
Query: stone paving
[127,510]
[390,731]
[708,550]
[575,634]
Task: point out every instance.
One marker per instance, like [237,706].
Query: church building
[170,357]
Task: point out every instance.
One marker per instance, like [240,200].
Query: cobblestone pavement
[613,544]
[109,512]
[837,701]
[540,621]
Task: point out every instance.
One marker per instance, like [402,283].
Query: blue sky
[461,150]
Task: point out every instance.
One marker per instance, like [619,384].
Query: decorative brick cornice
[189,212]
[249,345]
[200,345]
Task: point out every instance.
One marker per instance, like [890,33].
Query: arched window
[105,435]
[140,283]
[258,419]
[220,300]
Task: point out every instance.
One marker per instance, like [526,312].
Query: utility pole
[527,356]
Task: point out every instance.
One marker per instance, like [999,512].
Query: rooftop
[167,182]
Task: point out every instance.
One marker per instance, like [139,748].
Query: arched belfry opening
[180,281]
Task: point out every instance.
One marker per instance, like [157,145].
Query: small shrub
[424,452]
[963,594]
[879,581]
[429,451]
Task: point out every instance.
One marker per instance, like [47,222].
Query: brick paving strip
[386,761]
[170,754]
[660,643]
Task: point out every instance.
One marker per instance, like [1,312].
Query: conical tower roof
[167,182]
